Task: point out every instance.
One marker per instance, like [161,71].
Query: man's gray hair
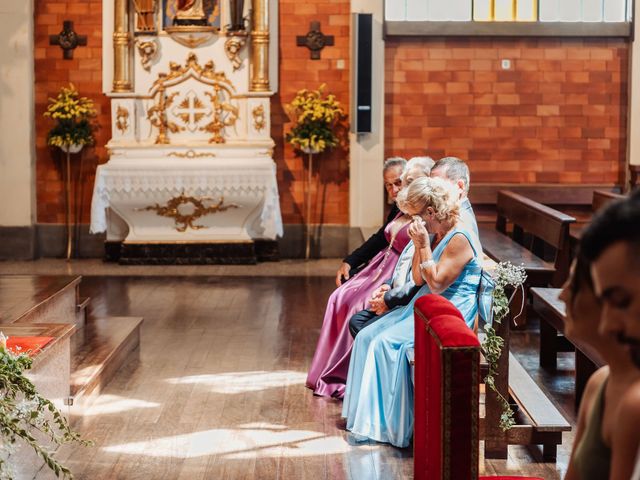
[426,163]
[455,169]
[394,162]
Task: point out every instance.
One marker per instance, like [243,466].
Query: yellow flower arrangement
[316,118]
[72,115]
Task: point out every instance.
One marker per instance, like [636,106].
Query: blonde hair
[425,192]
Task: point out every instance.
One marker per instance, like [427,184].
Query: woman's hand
[418,232]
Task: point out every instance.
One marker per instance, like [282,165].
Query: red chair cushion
[501,477]
[432,305]
[30,345]
[446,392]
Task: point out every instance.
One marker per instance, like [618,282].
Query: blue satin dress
[378,401]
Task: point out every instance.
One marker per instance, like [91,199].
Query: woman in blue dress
[378,402]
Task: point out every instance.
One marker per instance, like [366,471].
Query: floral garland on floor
[505,275]
[25,414]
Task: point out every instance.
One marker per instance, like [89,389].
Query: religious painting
[190,13]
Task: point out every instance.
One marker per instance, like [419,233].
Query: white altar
[190,158]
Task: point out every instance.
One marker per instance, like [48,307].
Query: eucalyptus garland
[27,416]
[505,275]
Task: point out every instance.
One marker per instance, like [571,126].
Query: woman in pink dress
[328,373]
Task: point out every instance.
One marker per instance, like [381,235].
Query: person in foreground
[328,371]
[610,247]
[596,453]
[378,403]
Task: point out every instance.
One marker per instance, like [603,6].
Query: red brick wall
[52,72]
[557,116]
[330,199]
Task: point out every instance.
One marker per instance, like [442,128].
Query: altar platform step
[39,298]
[192,253]
[98,351]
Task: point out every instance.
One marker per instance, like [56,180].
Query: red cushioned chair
[447,375]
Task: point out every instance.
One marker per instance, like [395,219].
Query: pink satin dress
[328,372]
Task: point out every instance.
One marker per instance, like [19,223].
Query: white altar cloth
[250,183]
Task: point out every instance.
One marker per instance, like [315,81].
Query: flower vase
[310,152]
[69,149]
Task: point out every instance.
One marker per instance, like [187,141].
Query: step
[98,350]
[38,298]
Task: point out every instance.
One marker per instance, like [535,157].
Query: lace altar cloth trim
[258,180]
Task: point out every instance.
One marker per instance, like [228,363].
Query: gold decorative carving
[191,36]
[122,119]
[224,113]
[189,107]
[191,154]
[232,47]
[259,120]
[157,115]
[187,209]
[147,51]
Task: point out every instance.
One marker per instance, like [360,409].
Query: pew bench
[552,313]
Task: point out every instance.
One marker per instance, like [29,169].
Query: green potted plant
[73,130]
[26,416]
[318,121]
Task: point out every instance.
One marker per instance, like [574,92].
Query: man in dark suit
[392,171]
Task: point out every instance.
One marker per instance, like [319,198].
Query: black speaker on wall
[362,51]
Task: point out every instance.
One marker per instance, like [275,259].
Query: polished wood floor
[218,390]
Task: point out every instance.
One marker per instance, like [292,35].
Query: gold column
[121,48]
[260,46]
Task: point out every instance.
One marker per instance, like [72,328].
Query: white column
[367,150]
[633,124]
[17,129]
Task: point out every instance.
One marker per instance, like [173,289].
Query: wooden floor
[218,392]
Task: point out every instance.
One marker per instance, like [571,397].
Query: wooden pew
[538,421]
[552,317]
[535,231]
[600,199]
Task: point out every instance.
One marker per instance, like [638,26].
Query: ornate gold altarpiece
[190,158]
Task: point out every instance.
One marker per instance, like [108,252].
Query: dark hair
[581,275]
[455,169]
[617,222]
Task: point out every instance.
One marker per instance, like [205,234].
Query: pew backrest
[533,225]
[602,197]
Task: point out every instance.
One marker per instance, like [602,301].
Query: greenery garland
[25,414]
[505,275]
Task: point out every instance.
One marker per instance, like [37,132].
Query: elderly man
[392,171]
[400,289]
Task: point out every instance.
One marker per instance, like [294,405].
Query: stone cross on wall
[68,39]
[314,40]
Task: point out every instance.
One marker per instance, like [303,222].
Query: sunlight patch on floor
[240,382]
[106,404]
[253,440]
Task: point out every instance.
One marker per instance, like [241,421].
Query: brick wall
[51,73]
[330,200]
[557,116]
